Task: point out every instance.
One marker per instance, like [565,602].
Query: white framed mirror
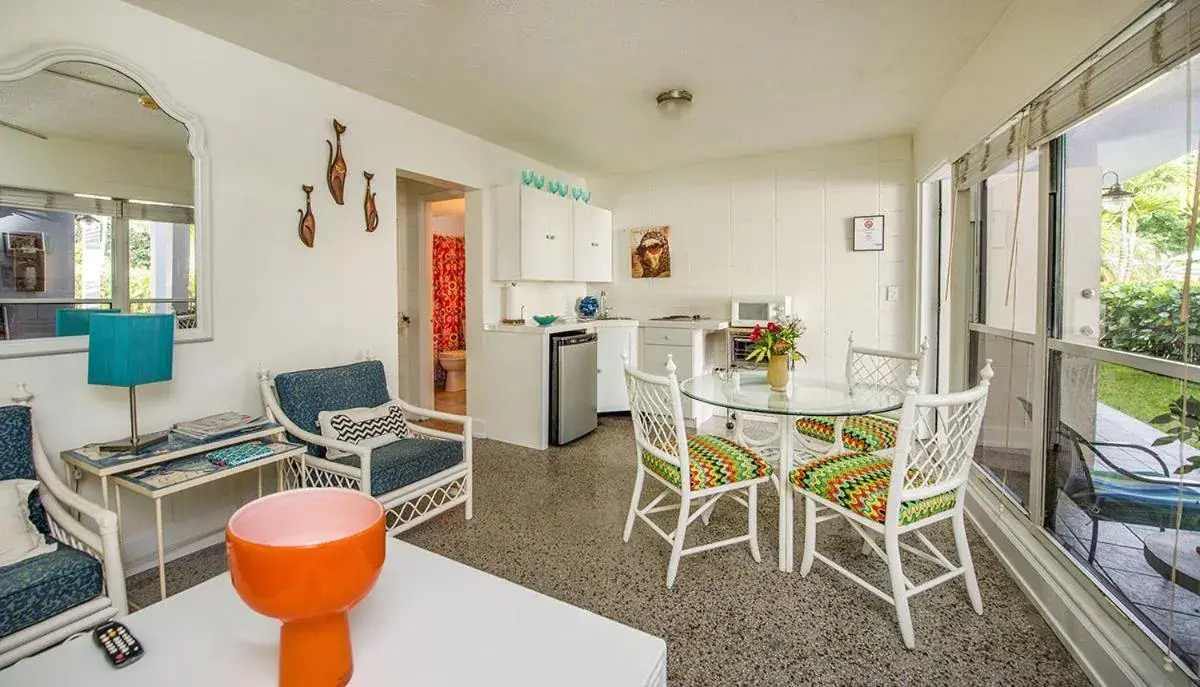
[101,204]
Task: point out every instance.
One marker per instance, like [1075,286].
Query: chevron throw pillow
[370,427]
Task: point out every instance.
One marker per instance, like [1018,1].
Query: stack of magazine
[219,425]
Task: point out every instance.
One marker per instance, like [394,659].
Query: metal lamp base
[136,442]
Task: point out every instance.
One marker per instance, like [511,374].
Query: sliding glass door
[1121,497]
[1004,324]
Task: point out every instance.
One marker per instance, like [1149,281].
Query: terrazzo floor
[552,521]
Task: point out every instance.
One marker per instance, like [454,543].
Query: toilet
[455,365]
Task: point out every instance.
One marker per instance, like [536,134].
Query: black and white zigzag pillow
[371,427]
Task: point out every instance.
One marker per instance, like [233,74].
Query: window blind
[1158,41]
[30,199]
[62,202]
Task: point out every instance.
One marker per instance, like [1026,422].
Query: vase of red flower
[776,343]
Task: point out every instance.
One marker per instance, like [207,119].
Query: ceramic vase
[778,374]
[306,557]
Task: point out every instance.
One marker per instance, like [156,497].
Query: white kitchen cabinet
[689,350]
[612,342]
[533,238]
[592,231]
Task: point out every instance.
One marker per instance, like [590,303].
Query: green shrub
[1144,317]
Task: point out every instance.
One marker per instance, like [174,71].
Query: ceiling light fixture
[675,102]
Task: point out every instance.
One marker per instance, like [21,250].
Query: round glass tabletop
[748,391]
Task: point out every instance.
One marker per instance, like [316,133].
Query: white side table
[90,460]
[158,481]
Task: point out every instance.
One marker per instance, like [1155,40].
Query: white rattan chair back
[657,411]
[875,367]
[936,441]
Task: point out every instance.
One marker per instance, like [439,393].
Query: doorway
[431,240]
[444,225]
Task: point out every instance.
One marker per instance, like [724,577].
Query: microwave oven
[749,311]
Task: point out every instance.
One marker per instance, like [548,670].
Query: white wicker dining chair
[716,467]
[924,482]
[865,367]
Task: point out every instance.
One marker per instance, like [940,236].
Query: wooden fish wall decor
[369,205]
[308,222]
[336,175]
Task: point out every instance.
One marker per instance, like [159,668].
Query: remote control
[119,646]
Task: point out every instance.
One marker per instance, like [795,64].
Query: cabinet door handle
[595,245]
[548,237]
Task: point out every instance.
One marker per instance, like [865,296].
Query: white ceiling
[572,82]
[60,107]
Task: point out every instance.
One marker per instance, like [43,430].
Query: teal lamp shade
[128,350]
[75,321]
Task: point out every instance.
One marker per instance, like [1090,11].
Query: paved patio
[1172,611]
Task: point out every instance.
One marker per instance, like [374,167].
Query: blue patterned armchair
[414,478]
[47,598]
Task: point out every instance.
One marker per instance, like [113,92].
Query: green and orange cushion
[860,433]
[714,462]
[859,482]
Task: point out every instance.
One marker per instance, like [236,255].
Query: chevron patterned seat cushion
[305,393]
[407,461]
[860,433]
[41,587]
[715,462]
[859,482]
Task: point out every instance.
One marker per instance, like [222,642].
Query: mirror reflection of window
[96,196]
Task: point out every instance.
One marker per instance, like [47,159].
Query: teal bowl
[545,320]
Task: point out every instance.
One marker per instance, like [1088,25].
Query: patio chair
[715,466]
[414,478]
[1118,494]
[924,482]
[49,597]
[866,367]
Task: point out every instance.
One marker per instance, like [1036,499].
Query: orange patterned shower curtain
[449,297]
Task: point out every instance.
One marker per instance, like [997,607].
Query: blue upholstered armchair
[414,478]
[47,598]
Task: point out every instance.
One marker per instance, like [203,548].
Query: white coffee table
[429,621]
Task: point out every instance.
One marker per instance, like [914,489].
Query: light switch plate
[893,294]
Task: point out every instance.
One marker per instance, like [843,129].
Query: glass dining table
[747,392]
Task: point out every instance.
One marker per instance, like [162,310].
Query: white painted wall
[449,225]
[73,166]
[777,224]
[275,301]
[1034,44]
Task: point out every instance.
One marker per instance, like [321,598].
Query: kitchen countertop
[705,325]
[559,326]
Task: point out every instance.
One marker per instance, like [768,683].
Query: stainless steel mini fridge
[572,386]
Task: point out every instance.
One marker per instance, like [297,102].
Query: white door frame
[424,291]
[933,320]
